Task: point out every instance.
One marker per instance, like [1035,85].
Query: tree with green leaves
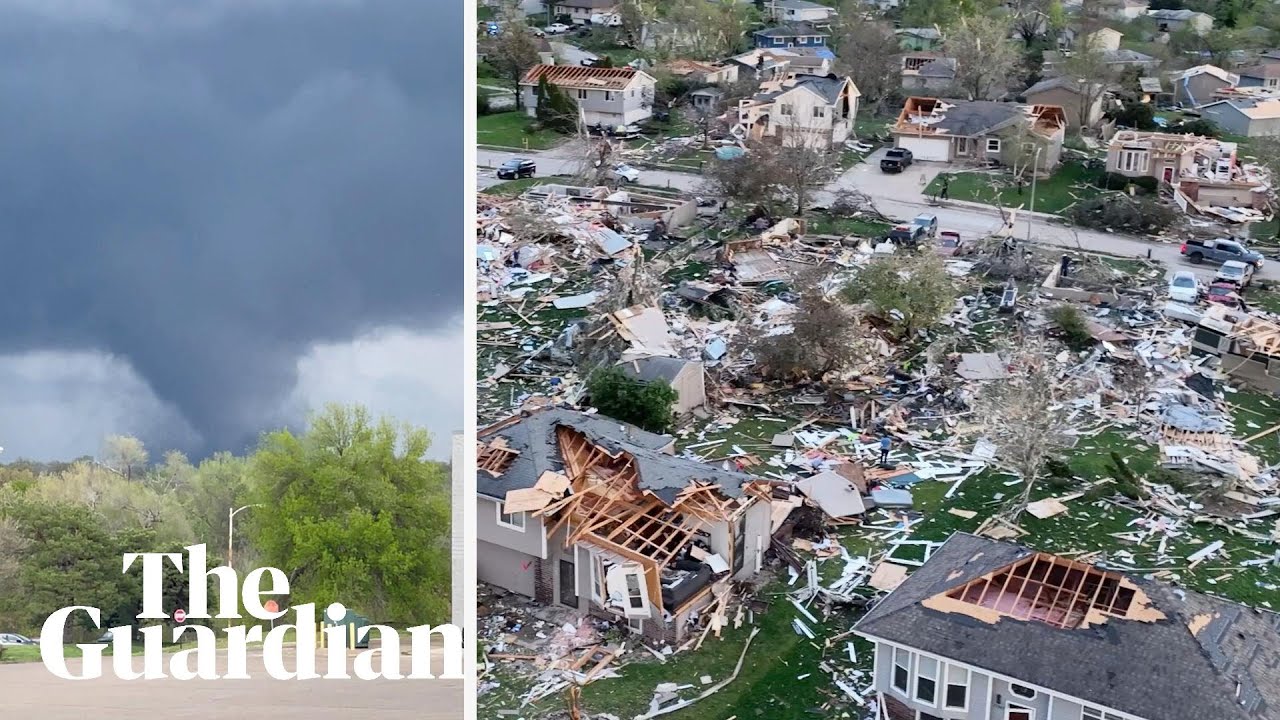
[354,512]
[645,404]
[513,50]
[912,291]
[556,110]
[867,52]
[986,60]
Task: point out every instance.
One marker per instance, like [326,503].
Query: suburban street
[32,691]
[898,196]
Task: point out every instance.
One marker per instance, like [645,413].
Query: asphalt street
[898,196]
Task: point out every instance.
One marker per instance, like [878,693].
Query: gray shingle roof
[1158,670]
[939,68]
[534,437]
[968,118]
[801,5]
[652,368]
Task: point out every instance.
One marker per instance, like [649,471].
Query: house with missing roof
[988,630]
[799,11]
[1247,117]
[928,71]
[1197,85]
[764,64]
[1205,173]
[801,110]
[607,96]
[981,131]
[711,73]
[1081,101]
[591,513]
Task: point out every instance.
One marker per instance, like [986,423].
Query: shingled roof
[1178,655]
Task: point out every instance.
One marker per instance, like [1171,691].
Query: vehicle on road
[590,61]
[1236,273]
[896,160]
[906,235]
[557,29]
[623,171]
[1220,250]
[12,639]
[1183,287]
[517,168]
[928,222]
[1223,293]
[949,244]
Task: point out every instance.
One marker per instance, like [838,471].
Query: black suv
[515,169]
[896,160]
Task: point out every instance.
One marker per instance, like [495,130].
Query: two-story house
[802,110]
[597,515]
[928,71]
[987,630]
[605,96]
[981,131]
[1171,21]
[799,34]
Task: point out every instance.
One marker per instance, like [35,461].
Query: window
[926,716]
[927,680]
[514,521]
[1022,691]
[962,146]
[957,695]
[582,94]
[1088,713]
[608,94]
[635,592]
[784,109]
[1133,161]
[993,145]
[819,111]
[901,670]
[636,625]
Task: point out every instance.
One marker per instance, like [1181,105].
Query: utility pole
[231,520]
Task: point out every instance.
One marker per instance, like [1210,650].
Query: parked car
[1220,250]
[906,235]
[11,639]
[928,222]
[949,244]
[1235,272]
[624,171]
[516,169]
[1223,293]
[1184,287]
[557,29]
[896,160]
[590,61]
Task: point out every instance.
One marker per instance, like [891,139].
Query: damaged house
[987,629]
[1203,171]
[981,131]
[597,515]
[802,110]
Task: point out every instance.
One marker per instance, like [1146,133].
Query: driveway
[867,177]
[570,54]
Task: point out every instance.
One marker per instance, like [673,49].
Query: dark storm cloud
[208,191]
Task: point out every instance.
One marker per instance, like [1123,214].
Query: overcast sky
[216,214]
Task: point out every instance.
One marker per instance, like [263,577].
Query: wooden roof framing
[494,457]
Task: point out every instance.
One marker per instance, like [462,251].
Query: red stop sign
[179,615]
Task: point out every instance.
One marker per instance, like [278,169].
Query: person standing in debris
[944,193]
[1066,265]
[885,443]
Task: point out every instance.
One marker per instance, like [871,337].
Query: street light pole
[231,520]
[1035,165]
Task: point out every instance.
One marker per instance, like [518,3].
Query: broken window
[635,593]
[957,695]
[927,680]
[636,625]
[512,521]
[1022,691]
[901,670]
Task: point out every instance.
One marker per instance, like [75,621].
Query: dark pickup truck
[896,160]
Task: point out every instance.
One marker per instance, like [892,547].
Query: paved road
[901,196]
[30,691]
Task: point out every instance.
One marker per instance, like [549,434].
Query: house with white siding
[987,630]
[605,96]
[802,110]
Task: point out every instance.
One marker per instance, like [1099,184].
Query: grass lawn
[513,130]
[1064,188]
[828,225]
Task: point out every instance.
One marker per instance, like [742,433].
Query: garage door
[927,148]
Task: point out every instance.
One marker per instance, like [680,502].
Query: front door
[1168,175]
[1018,712]
[568,575]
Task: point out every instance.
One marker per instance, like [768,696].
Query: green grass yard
[1067,186]
[513,130]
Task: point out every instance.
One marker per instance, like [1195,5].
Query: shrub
[1075,331]
[1116,181]
[1120,212]
[482,105]
[618,395]
[1196,127]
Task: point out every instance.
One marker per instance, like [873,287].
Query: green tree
[220,484]
[556,110]
[353,512]
[513,50]
[911,291]
[647,405]
[986,60]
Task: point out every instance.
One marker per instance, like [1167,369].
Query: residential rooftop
[578,76]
